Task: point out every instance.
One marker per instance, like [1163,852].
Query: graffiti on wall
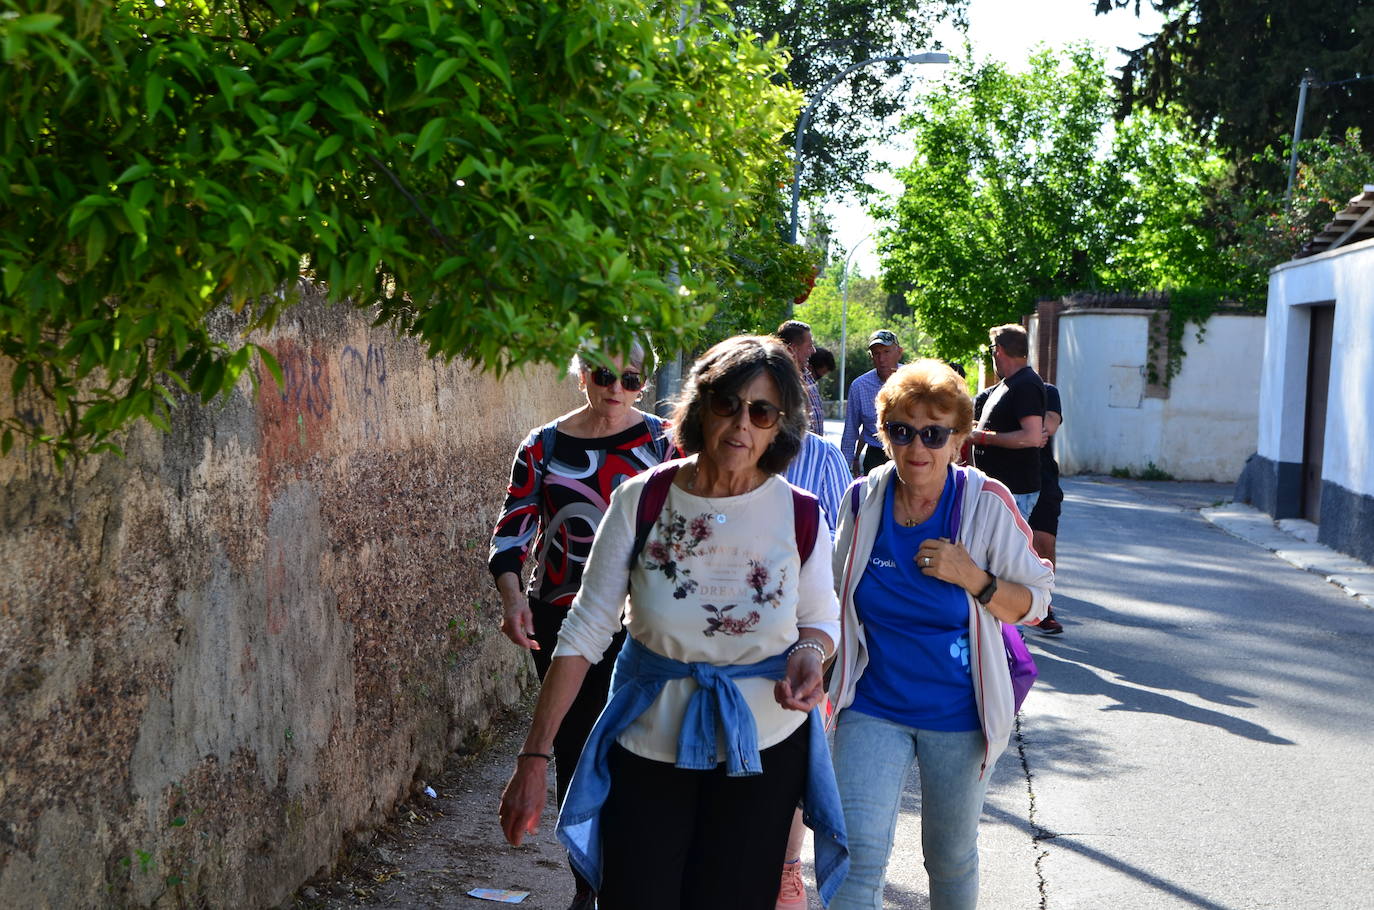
[294,416]
[363,373]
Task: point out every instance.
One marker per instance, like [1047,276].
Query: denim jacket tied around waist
[639,676]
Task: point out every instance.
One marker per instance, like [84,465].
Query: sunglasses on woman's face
[904,434]
[629,381]
[762,414]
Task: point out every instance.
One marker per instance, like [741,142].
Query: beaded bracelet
[544,755]
[808,643]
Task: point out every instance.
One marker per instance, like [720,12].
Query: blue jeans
[872,759]
[1025,503]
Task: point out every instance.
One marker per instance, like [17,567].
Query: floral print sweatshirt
[719,581]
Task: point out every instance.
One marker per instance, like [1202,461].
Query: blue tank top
[916,630]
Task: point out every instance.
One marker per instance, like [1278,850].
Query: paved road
[1202,736]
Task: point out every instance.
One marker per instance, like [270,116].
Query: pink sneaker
[792,894]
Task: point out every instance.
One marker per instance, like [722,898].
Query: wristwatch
[985,595]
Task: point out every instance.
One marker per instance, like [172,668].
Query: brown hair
[727,368]
[932,383]
[1012,339]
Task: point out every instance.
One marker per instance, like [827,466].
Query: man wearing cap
[860,444]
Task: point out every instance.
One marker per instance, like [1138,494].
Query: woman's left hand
[804,686]
[939,558]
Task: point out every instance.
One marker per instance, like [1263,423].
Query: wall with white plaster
[1204,430]
[1344,277]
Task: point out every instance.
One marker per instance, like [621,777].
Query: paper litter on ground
[499,895]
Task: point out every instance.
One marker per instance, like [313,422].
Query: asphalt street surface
[1201,735]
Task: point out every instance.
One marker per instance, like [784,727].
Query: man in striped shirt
[819,469]
[860,446]
[797,336]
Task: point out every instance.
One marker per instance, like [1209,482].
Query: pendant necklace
[719,517]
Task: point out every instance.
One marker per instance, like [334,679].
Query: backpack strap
[806,522]
[806,512]
[658,435]
[548,436]
[651,500]
[957,507]
[855,491]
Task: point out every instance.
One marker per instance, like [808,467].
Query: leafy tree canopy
[1233,68]
[498,178]
[1264,230]
[840,326]
[1020,190]
[824,37]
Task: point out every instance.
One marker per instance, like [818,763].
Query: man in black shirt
[1009,422]
[1044,518]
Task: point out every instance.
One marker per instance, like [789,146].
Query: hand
[517,622]
[804,685]
[522,802]
[939,558]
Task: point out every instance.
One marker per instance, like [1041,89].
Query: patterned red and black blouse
[556,500]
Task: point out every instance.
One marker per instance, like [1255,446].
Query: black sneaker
[1049,625]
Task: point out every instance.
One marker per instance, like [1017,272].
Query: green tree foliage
[1167,242]
[1020,190]
[1266,230]
[1233,68]
[766,274]
[824,37]
[500,179]
[830,319]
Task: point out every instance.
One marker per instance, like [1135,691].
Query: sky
[1004,30]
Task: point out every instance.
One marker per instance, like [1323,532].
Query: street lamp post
[805,120]
[1307,79]
[844,315]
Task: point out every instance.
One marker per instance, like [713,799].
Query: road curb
[1295,541]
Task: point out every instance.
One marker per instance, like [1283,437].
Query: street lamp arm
[804,122]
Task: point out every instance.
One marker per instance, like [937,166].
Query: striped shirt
[819,469]
[861,416]
[813,392]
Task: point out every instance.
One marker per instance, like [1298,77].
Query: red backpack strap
[806,517]
[651,500]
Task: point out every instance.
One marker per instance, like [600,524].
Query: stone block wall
[222,654]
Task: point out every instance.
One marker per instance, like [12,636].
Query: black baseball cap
[882,336]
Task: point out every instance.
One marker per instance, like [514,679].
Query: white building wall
[1204,430]
[1344,277]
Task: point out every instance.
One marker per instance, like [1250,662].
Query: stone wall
[222,654]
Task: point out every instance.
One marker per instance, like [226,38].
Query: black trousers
[873,456]
[586,708]
[674,839]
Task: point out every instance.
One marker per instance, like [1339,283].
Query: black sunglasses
[992,349]
[630,382]
[762,414]
[904,434]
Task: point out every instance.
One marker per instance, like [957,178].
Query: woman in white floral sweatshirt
[685,792]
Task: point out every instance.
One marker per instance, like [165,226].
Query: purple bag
[1019,661]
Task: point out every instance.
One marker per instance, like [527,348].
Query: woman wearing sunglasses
[560,484]
[685,791]
[930,560]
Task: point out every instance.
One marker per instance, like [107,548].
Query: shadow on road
[1066,842]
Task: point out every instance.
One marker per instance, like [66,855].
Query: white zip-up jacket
[999,541]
